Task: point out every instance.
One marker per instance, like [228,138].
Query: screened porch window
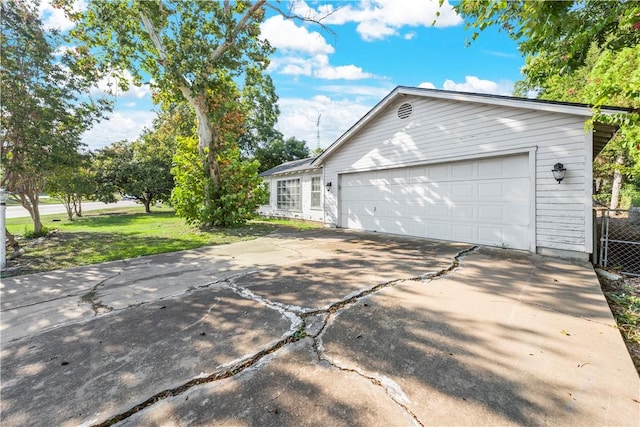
[288,194]
[316,192]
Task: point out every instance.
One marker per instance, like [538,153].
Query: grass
[122,233]
[623,297]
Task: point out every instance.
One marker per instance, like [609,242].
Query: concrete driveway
[325,327]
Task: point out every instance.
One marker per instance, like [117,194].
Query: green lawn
[121,233]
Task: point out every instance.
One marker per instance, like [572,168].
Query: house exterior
[468,168]
[295,191]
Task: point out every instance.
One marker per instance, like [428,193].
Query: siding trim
[533,191]
[588,190]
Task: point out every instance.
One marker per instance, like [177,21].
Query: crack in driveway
[91,297]
[304,323]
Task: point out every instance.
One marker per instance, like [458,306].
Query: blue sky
[340,73]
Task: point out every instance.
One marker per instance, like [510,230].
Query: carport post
[3,224]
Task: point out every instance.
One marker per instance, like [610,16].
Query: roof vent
[405,110]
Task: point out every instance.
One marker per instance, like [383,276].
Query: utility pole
[318,135]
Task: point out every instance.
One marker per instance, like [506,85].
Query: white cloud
[410,35]
[375,30]
[317,66]
[427,85]
[284,34]
[346,72]
[378,19]
[477,85]
[54,18]
[304,52]
[109,86]
[298,117]
[120,126]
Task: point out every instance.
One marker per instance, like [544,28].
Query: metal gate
[619,238]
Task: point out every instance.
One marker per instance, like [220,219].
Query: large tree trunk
[206,133]
[617,184]
[147,205]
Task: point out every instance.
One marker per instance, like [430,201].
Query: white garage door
[478,201]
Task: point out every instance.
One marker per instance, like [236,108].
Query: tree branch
[230,39]
[154,35]
[313,19]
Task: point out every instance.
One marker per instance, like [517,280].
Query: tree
[585,51]
[279,151]
[136,169]
[44,107]
[559,31]
[606,78]
[556,37]
[198,51]
[72,184]
[239,196]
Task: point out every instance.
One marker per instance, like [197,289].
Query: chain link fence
[618,234]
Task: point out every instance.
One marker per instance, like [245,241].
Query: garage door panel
[439,230]
[490,213]
[463,233]
[438,172]
[482,201]
[517,214]
[515,167]
[464,212]
[438,211]
[462,190]
[464,170]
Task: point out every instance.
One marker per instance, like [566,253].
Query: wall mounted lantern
[558,172]
[328,186]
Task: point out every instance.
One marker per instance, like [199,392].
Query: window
[316,192]
[288,194]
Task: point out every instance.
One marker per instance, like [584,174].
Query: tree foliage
[207,53]
[139,169]
[239,195]
[606,78]
[71,185]
[561,32]
[278,151]
[556,37]
[45,107]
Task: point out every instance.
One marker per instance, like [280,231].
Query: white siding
[443,130]
[305,183]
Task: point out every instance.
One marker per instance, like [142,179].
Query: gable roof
[291,167]
[601,136]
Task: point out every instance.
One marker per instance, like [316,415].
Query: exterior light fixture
[558,172]
[328,186]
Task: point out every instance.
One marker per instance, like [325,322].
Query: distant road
[19,211]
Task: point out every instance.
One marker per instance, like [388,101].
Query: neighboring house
[295,191]
[465,167]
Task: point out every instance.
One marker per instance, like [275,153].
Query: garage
[484,201]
